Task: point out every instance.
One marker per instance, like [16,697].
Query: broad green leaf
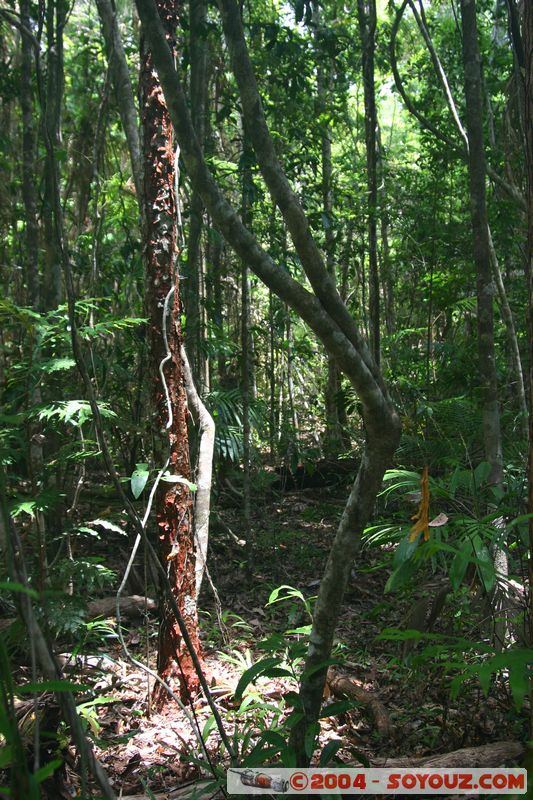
[48,769]
[291,592]
[208,727]
[273,737]
[484,562]
[459,565]
[5,756]
[404,551]
[24,507]
[139,479]
[482,472]
[259,756]
[310,739]
[179,479]
[400,576]
[255,671]
[520,683]
[322,666]
[329,751]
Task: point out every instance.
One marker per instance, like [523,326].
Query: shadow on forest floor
[292,534]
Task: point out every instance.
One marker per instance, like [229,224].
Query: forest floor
[144,751]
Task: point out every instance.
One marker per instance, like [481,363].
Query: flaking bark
[173,500]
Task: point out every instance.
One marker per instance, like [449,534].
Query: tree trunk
[333,439]
[246,348]
[56,11]
[485,286]
[366,12]
[33,298]
[29,189]
[193,286]
[123,92]
[173,500]
[517,382]
[528,49]
[481,244]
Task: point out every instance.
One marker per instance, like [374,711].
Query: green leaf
[13,586]
[329,751]
[259,756]
[52,686]
[5,756]
[318,667]
[404,551]
[482,472]
[48,769]
[274,738]
[208,727]
[303,630]
[139,479]
[290,593]
[520,684]
[109,526]
[397,635]
[459,565]
[179,479]
[400,576]
[310,739]
[255,671]
[57,365]
[485,565]
[333,709]
[24,507]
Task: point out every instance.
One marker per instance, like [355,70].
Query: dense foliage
[392,209]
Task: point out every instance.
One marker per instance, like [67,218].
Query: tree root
[345,686]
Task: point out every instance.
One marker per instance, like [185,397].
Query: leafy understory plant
[262,726]
[460,661]
[461,533]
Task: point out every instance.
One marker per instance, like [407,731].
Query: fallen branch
[132,606]
[496,754]
[344,686]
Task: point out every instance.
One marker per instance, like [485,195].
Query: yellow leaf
[421,518]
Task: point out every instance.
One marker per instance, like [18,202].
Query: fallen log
[342,685]
[496,754]
[133,605]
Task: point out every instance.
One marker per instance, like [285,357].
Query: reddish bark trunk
[173,500]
